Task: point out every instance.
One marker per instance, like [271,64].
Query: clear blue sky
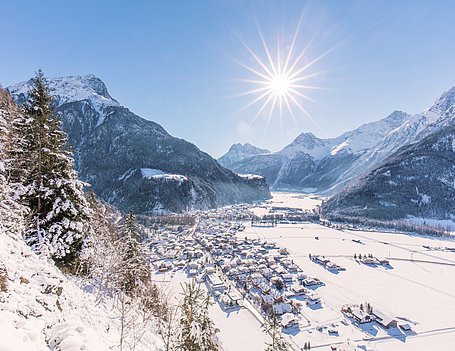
[174,62]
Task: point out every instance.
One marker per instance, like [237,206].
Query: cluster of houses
[285,215]
[233,213]
[326,263]
[236,268]
[260,270]
[366,314]
[371,260]
[172,248]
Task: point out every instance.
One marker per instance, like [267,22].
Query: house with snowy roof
[289,320]
[313,300]
[281,308]
[360,316]
[384,320]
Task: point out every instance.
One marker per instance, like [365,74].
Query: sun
[280,85]
[281,78]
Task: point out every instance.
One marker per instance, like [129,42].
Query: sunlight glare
[279,85]
[281,80]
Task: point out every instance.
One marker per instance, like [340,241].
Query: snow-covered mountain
[317,165]
[399,166]
[238,152]
[410,172]
[416,127]
[308,144]
[113,145]
[418,180]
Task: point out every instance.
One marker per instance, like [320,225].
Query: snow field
[422,293]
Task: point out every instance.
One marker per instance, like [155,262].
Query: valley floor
[417,288]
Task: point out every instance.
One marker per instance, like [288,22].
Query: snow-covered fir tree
[113,256]
[197,330]
[53,192]
[137,271]
[167,326]
[11,213]
[272,327]
[102,252]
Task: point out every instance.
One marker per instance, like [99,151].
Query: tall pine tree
[11,213]
[272,327]
[53,192]
[197,330]
[136,268]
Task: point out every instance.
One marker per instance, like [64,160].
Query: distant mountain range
[416,179]
[397,167]
[317,165]
[134,163]
[239,152]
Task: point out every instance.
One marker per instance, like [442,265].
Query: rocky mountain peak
[397,115]
[445,102]
[238,152]
[71,89]
[307,138]
[307,143]
[246,147]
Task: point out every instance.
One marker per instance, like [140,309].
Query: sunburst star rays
[282,81]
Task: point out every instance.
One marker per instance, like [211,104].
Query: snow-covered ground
[239,329]
[42,309]
[293,200]
[159,174]
[418,288]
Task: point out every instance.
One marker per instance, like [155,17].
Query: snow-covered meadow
[418,288]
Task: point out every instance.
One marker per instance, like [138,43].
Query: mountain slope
[317,165]
[112,145]
[238,152]
[438,116]
[43,309]
[417,180]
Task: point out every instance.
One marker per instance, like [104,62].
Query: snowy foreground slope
[42,309]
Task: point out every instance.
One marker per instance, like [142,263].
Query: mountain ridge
[312,164]
[109,140]
[416,180]
[238,152]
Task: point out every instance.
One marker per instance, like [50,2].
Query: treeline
[151,221]
[43,201]
[398,225]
